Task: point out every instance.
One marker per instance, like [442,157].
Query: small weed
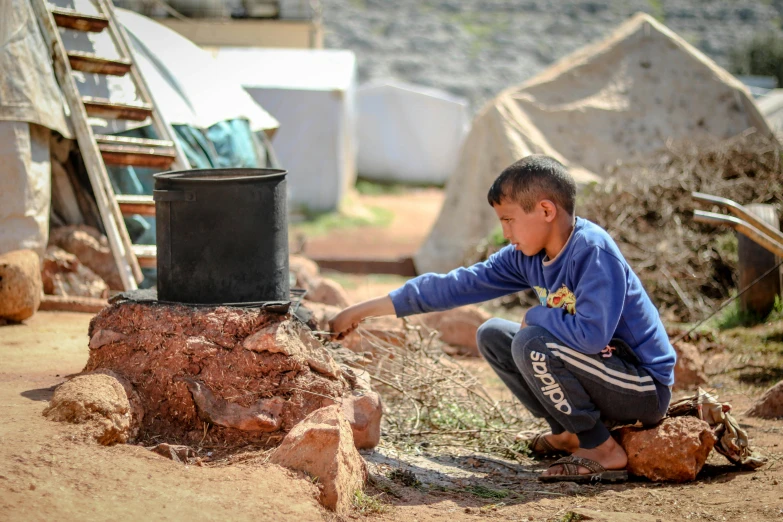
[571,517]
[733,316]
[316,224]
[485,492]
[369,504]
[404,477]
[376,188]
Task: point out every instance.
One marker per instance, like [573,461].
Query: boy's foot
[609,455]
[543,444]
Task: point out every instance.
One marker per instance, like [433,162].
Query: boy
[595,349]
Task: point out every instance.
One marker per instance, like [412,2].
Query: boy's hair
[532,179]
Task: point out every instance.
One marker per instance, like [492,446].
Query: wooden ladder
[100,150]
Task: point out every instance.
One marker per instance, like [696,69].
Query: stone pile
[226,377]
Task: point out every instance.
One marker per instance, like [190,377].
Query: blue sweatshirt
[588,294]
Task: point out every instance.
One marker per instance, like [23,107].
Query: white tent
[409,133]
[617,100]
[311,93]
[771,106]
[182,78]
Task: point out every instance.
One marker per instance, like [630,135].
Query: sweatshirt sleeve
[499,275]
[599,285]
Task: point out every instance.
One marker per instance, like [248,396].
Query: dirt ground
[49,471]
[414,213]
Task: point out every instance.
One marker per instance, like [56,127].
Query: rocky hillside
[476,48]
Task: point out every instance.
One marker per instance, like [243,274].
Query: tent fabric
[312,94]
[409,133]
[182,78]
[771,106]
[28,89]
[26,188]
[617,100]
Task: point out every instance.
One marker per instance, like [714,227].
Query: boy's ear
[549,208]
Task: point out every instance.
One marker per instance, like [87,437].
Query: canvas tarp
[311,92]
[613,101]
[771,106]
[409,133]
[30,106]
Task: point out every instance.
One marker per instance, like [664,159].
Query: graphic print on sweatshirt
[562,298]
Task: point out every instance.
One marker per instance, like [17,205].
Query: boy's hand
[343,324]
[348,320]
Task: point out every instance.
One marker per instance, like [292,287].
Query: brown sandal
[538,446]
[571,467]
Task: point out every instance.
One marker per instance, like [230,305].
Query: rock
[673,451]
[263,416]
[97,400]
[298,344]
[328,291]
[322,446]
[63,274]
[364,412]
[458,327]
[305,271]
[136,406]
[92,249]
[770,405]
[175,452]
[20,284]
[216,375]
[689,370]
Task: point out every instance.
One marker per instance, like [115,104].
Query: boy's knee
[529,347]
[488,334]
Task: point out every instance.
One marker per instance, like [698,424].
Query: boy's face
[527,231]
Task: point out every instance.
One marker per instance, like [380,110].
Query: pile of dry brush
[687,268]
[430,396]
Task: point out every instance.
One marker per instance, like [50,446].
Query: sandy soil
[415,212]
[49,472]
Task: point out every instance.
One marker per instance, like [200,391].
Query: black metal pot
[222,236]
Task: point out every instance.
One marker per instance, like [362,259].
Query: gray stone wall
[476,48]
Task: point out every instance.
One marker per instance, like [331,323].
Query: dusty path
[414,213]
[47,472]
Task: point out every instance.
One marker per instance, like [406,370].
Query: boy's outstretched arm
[346,321]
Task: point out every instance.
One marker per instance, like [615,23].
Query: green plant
[404,477]
[316,224]
[485,492]
[571,517]
[369,504]
[733,316]
[375,188]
